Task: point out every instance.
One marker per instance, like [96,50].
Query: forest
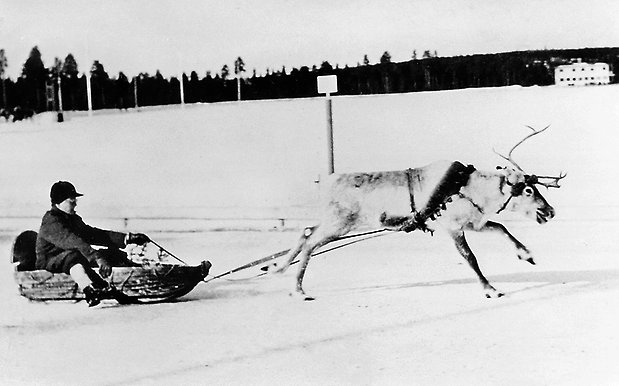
[37,87]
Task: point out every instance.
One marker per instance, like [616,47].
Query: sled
[149,283]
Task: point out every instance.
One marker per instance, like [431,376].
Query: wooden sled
[152,282]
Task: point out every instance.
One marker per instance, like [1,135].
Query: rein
[480,209]
[168,252]
[373,234]
[505,204]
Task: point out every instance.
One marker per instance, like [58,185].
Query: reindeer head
[524,197]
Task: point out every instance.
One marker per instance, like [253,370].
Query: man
[64,245]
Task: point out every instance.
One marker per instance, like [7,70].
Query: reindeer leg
[307,232]
[522,251]
[304,260]
[467,253]
[306,254]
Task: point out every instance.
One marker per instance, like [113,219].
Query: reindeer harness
[517,188]
[456,176]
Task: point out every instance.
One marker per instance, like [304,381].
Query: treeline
[38,86]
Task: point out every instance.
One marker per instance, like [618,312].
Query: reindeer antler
[509,155]
[554,183]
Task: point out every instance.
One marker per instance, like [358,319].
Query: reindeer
[446,194]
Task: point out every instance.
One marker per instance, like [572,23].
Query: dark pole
[135,92]
[60,107]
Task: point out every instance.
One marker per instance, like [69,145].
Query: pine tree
[33,68]
[239,68]
[3,66]
[123,91]
[98,71]
[385,70]
[325,68]
[386,58]
[3,63]
[35,75]
[100,79]
[70,83]
[69,68]
[56,69]
[225,72]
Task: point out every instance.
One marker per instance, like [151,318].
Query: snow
[213,181]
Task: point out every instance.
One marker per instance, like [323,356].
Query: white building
[581,74]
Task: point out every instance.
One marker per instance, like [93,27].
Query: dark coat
[62,233]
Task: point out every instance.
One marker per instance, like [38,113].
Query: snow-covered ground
[213,181]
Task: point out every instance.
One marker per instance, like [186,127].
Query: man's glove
[105,268]
[137,238]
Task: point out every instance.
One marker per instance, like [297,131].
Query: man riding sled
[64,245]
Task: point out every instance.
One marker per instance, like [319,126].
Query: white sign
[327,84]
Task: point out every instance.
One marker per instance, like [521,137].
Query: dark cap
[62,190]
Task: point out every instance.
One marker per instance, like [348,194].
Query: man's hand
[105,268]
[137,238]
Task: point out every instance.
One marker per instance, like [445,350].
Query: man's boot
[111,292]
[93,296]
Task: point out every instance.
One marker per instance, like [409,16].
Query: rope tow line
[285,252]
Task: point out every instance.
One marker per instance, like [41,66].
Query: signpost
[327,84]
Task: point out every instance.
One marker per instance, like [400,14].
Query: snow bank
[262,158]
[399,309]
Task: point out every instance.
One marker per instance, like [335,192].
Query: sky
[175,36]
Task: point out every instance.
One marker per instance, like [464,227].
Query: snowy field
[234,182]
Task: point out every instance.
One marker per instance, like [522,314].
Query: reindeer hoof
[526,256]
[492,293]
[302,296]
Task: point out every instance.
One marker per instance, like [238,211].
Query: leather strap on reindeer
[410,178]
[456,176]
[517,188]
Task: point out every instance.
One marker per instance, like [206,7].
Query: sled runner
[151,282]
